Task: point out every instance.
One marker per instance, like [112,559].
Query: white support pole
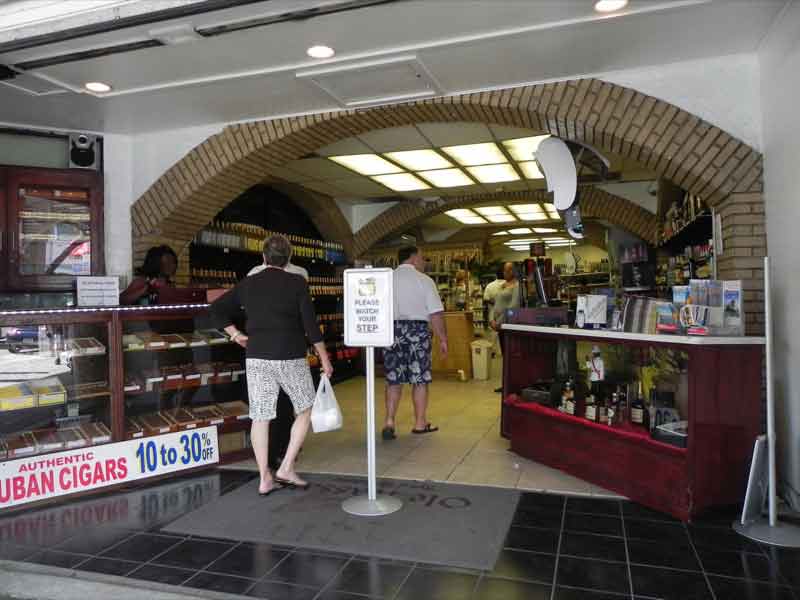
[371,483]
[773,503]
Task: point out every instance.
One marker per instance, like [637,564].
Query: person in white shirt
[417,308]
[294,269]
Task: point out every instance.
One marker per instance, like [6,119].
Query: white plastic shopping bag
[325,414]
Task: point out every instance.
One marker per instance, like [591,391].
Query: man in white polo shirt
[417,308]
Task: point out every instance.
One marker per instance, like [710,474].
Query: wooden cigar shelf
[144,371]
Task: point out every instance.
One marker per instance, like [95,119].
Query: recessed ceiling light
[523,241]
[366,164]
[533,217]
[607,6]
[97,86]
[472,220]
[401,182]
[320,52]
[419,160]
[501,233]
[545,230]
[493,173]
[526,208]
[501,218]
[531,170]
[523,148]
[443,178]
[520,230]
[460,212]
[476,154]
[492,210]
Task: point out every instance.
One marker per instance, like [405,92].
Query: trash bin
[481,356]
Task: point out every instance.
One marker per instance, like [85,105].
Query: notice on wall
[98,291]
[368,308]
[74,471]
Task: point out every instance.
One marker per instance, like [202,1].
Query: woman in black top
[159,267]
[280,324]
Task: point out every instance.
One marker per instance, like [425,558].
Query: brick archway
[671,142]
[595,204]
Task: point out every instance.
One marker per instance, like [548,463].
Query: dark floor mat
[452,525]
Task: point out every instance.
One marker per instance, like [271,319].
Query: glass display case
[179,373]
[78,377]
[54,382]
[53,227]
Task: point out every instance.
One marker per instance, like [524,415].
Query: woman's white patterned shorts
[265,378]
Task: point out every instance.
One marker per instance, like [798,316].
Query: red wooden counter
[724,419]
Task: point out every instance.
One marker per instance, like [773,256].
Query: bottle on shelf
[638,408]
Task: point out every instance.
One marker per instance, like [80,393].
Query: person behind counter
[160,264]
[280,318]
[507,296]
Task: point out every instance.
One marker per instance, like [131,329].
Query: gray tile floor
[467,449]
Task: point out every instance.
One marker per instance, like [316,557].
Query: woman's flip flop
[428,429]
[292,484]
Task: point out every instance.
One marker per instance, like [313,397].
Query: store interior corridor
[467,449]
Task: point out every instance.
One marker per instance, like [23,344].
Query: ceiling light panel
[501,233]
[476,154]
[460,212]
[367,164]
[545,230]
[501,218]
[476,220]
[520,230]
[492,210]
[526,208]
[401,182]
[530,170]
[524,148]
[533,217]
[419,160]
[444,178]
[494,173]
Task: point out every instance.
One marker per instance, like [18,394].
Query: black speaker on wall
[84,151]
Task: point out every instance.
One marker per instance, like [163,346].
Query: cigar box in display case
[133,428]
[47,440]
[89,389]
[181,418]
[71,437]
[132,384]
[132,342]
[208,413]
[152,340]
[224,373]
[154,423]
[207,373]
[173,377]
[152,377]
[173,340]
[194,340]
[96,433]
[21,444]
[236,410]
[191,376]
[214,336]
[87,346]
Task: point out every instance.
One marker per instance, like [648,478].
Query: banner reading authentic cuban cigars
[52,475]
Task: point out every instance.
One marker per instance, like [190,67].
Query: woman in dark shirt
[280,324]
[160,264]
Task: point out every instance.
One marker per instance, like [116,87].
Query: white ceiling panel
[394,139]
[345,147]
[455,134]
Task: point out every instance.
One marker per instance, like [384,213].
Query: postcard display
[76,378]
[666,420]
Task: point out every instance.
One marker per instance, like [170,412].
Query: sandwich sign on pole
[369,323]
